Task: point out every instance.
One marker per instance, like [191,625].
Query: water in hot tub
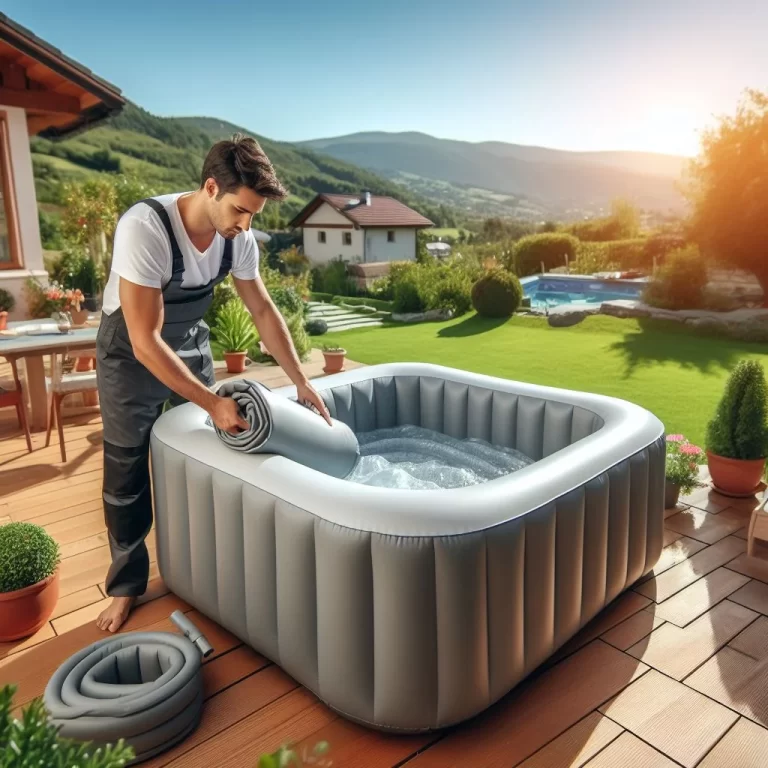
[416,458]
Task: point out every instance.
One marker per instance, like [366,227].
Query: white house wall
[26,209]
[326,219]
[377,247]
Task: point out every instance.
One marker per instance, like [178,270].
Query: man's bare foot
[112,617]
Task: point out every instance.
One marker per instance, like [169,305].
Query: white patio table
[32,340]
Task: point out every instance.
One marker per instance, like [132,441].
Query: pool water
[415,458]
[546,292]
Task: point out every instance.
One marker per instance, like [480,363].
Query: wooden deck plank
[738,675]
[672,554]
[633,629]
[705,527]
[677,652]
[752,595]
[630,752]
[540,710]
[76,601]
[578,745]
[673,719]
[678,577]
[690,603]
[744,746]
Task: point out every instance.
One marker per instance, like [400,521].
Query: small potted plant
[682,468]
[334,358]
[7,303]
[235,333]
[737,435]
[29,579]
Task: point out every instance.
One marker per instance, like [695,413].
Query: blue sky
[595,74]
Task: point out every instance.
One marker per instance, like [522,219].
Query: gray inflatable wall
[415,610]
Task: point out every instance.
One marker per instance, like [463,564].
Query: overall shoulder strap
[159,209]
[226,259]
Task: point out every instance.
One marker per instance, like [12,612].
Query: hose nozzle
[192,632]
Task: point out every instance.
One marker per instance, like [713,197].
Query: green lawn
[674,373]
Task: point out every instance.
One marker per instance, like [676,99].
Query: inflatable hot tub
[412,610]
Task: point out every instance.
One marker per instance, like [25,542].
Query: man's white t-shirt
[142,253]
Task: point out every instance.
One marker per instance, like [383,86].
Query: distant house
[45,93]
[365,229]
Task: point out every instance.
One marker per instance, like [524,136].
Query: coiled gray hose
[143,687]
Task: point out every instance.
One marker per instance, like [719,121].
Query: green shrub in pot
[737,435]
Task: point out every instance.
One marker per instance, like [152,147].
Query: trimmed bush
[550,248]
[739,428]
[287,300]
[316,327]
[7,301]
[28,554]
[497,294]
[315,296]
[680,283]
[628,254]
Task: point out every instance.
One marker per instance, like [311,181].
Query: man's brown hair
[241,162]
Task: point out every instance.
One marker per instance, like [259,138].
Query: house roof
[382,212]
[59,95]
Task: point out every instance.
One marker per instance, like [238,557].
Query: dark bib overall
[131,400]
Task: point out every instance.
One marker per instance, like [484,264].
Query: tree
[729,189]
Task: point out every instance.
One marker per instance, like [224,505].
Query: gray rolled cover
[143,687]
[283,426]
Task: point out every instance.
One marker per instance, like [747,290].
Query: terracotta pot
[24,611]
[235,361]
[735,477]
[3,320]
[79,317]
[334,361]
[671,494]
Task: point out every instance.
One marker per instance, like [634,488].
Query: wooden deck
[673,673]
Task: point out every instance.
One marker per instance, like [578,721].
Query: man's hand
[307,394]
[226,416]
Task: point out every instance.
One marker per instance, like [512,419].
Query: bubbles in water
[421,459]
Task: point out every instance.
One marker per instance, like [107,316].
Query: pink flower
[675,438]
[690,450]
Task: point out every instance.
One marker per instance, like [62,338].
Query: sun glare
[670,129]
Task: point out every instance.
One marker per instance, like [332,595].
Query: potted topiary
[235,333]
[29,579]
[334,358]
[7,303]
[737,435]
[682,468]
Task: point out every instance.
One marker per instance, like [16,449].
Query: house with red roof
[359,229]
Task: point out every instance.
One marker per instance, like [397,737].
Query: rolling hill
[564,184]
[167,154]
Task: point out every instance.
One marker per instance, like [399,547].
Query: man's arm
[143,311]
[277,338]
[271,327]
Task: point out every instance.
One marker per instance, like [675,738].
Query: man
[153,345]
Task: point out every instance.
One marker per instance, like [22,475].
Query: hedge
[550,249]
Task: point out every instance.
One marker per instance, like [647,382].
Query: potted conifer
[29,579]
[235,333]
[737,435]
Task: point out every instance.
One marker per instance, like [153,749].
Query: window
[346,238]
[321,237]
[391,236]
[10,252]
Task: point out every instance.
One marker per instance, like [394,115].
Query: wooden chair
[60,385]
[12,394]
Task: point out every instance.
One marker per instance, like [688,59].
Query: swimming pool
[546,291]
